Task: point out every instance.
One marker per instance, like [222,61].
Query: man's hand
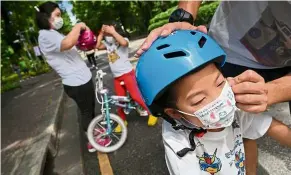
[250,91]
[165,30]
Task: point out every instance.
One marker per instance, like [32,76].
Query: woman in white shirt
[61,54]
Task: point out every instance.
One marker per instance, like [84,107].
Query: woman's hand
[82,26]
[250,91]
[165,30]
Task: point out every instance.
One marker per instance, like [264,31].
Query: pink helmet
[87,40]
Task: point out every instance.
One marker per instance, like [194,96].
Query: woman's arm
[72,38]
[99,44]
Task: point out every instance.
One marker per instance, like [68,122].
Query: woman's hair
[44,13]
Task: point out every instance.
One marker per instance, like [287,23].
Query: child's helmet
[172,57]
[87,40]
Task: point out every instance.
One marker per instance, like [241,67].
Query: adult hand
[82,26]
[165,30]
[250,91]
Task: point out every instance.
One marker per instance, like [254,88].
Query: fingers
[249,75]
[252,108]
[164,31]
[251,99]
[249,88]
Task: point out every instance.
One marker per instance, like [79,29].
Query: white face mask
[109,39]
[58,23]
[217,114]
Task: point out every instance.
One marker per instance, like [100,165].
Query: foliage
[205,13]
[133,15]
[204,16]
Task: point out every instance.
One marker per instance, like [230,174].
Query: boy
[204,129]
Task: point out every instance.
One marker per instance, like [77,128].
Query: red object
[200,134]
[130,85]
[87,40]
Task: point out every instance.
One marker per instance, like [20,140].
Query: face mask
[109,39]
[219,113]
[58,23]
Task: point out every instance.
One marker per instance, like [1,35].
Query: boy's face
[195,91]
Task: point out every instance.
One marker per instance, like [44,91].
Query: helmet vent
[202,41]
[193,33]
[163,46]
[174,54]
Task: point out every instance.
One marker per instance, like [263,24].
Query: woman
[62,56]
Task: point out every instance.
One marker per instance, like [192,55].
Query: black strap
[184,151]
[181,15]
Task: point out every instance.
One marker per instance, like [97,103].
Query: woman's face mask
[58,23]
[109,39]
[217,114]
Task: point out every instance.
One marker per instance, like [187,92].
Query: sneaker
[104,141]
[90,148]
[118,128]
[141,111]
[152,120]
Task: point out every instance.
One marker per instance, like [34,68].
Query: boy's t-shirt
[216,152]
[118,58]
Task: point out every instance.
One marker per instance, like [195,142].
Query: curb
[51,133]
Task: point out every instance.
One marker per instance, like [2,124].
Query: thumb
[231,81]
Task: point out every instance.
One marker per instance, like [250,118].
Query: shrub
[204,16]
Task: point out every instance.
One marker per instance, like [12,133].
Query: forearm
[120,39]
[279,90]
[190,6]
[71,39]
[99,44]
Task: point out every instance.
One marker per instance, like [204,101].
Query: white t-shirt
[255,34]
[68,64]
[216,152]
[118,59]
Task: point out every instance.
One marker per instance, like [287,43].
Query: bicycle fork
[109,129]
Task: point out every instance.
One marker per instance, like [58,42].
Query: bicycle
[108,121]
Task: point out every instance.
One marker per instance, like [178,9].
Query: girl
[117,50]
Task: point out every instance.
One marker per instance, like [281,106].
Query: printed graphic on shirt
[210,163]
[239,162]
[238,143]
[235,124]
[113,56]
[269,41]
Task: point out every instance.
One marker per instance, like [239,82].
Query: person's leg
[120,91]
[89,59]
[132,88]
[84,96]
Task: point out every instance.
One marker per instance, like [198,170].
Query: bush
[9,86]
[12,77]
[206,13]
[204,16]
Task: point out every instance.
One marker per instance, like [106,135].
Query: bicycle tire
[110,148]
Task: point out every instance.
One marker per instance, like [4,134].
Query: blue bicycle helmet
[170,58]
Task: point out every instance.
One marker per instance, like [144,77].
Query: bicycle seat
[122,83]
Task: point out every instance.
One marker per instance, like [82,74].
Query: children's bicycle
[101,130]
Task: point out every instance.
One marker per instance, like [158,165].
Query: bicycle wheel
[97,133]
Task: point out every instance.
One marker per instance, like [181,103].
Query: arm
[120,39]
[282,85]
[100,45]
[72,38]
[280,132]
[190,6]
